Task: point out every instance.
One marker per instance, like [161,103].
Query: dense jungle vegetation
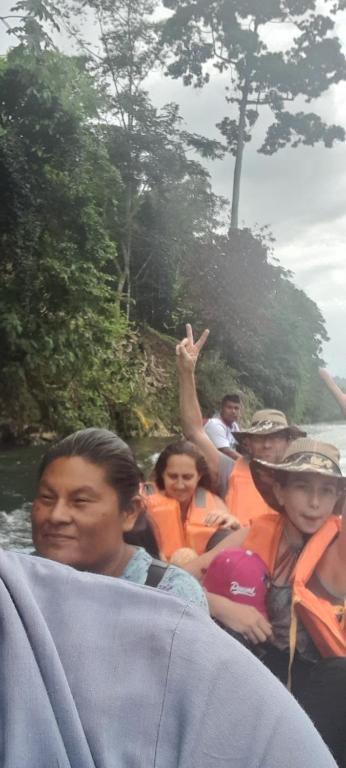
[111,235]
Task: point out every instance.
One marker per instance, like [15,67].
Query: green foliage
[265,327]
[148,146]
[322,407]
[294,347]
[301,128]
[63,341]
[215,379]
[172,222]
[154,408]
[28,21]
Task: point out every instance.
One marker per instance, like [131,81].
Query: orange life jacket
[171,533]
[243,499]
[320,618]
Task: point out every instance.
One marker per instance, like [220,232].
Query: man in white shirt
[220,427]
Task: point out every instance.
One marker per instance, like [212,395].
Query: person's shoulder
[137,568]
[217,432]
[29,561]
[174,580]
[216,421]
[28,578]
[181,584]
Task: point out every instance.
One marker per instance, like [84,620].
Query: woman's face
[308,499]
[180,477]
[76,517]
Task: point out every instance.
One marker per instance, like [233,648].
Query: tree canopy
[58,325]
[233,36]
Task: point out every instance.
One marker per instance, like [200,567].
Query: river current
[18,471]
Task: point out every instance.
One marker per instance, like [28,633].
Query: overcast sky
[300,194]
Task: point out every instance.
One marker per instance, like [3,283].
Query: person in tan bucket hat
[303,544]
[266,438]
[302,457]
[270,422]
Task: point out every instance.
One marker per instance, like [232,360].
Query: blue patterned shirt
[175,580]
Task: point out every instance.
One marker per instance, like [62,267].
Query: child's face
[308,500]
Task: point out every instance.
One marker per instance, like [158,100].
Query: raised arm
[187,355]
[337,393]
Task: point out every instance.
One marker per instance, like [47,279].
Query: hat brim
[292,432]
[265,475]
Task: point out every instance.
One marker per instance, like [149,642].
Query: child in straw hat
[304,548]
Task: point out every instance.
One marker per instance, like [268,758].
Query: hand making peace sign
[188,350]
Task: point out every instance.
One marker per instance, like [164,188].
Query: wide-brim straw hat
[301,456]
[270,422]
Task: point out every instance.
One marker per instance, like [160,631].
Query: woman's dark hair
[142,535]
[104,449]
[182,448]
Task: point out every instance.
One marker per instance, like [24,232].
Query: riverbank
[141,402]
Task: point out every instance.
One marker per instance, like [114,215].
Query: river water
[18,470]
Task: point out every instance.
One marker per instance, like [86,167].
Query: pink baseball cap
[240,575]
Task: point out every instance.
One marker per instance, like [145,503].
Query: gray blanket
[95,672]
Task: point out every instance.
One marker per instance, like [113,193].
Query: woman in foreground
[87,500]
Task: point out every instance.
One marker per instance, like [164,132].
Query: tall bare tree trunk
[127,249]
[238,160]
[241,132]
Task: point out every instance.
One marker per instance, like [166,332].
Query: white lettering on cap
[237,589]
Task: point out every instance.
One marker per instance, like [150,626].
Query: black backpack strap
[156,571]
